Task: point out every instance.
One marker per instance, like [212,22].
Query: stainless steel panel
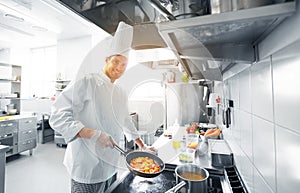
[286,87]
[235,127]
[287,151]
[26,145]
[27,123]
[281,36]
[259,184]
[246,171]
[234,91]
[246,134]
[27,134]
[221,153]
[9,126]
[245,90]
[243,164]
[264,149]
[261,90]
[238,26]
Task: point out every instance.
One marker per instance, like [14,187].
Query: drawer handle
[29,121]
[7,125]
[26,142]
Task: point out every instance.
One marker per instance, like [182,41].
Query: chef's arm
[86,133]
[140,143]
[97,137]
[145,147]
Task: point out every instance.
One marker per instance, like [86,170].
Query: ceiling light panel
[27,15]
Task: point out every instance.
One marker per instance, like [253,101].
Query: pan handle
[176,188]
[120,149]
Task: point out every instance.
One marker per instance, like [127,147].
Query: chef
[92,115]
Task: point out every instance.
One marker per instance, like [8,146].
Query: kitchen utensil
[192,185]
[134,154]
[177,187]
[228,117]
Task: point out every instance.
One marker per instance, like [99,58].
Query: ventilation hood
[206,45]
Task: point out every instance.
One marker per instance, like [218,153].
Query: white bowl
[12,111]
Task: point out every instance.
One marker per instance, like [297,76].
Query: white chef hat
[120,43]
[122,39]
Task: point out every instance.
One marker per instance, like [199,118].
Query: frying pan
[134,154]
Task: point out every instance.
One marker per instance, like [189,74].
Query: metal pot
[192,186]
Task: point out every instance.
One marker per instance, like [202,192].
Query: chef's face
[115,66]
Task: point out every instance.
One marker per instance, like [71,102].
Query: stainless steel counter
[3,149]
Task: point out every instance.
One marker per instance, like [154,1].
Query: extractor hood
[205,44]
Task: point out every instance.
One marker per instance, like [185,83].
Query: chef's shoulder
[87,78]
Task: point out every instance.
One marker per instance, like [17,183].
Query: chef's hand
[103,140]
[150,149]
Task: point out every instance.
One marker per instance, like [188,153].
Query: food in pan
[145,165]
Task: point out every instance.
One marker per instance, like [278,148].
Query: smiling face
[115,66]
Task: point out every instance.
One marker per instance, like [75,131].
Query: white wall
[70,54]
[265,133]
[5,55]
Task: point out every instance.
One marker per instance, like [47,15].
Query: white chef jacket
[92,102]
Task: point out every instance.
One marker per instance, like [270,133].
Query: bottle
[176,135]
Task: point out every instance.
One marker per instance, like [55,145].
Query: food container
[187,156]
[192,141]
[221,154]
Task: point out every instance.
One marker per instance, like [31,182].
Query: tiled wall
[265,131]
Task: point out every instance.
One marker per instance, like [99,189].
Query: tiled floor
[43,172]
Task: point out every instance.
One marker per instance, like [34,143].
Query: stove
[218,182]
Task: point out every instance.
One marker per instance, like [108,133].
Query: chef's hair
[111,56]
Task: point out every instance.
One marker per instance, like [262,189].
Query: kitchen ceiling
[36,23]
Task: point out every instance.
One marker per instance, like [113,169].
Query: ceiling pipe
[162,10]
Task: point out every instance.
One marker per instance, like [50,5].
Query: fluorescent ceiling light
[38,28]
[157,54]
[10,28]
[13,17]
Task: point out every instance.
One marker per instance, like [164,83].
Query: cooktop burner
[160,184]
